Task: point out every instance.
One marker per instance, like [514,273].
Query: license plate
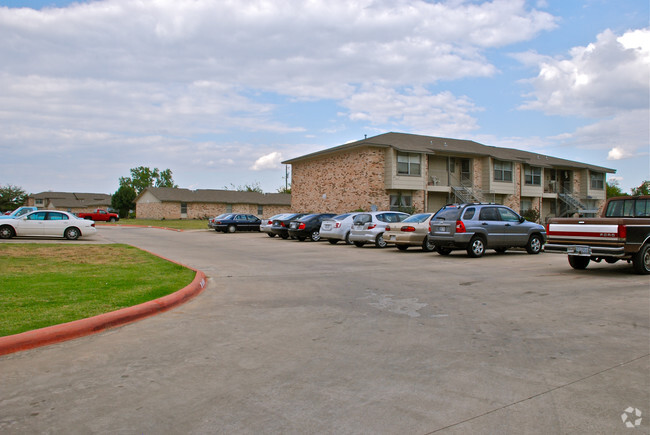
[327,227]
[392,238]
[293,226]
[584,251]
[442,229]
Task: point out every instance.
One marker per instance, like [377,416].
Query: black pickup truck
[621,233]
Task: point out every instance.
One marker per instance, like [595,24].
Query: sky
[222,91]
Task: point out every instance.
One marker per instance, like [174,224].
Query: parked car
[337,228]
[237,222]
[414,231]
[308,226]
[477,227]
[99,215]
[266,224]
[20,211]
[369,227]
[212,221]
[280,225]
[47,223]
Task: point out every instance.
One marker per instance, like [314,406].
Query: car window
[341,216]
[642,208]
[488,214]
[39,216]
[361,219]
[508,215]
[469,213]
[56,217]
[447,213]
[419,218]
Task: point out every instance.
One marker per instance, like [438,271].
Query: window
[408,164]
[40,216]
[502,171]
[183,208]
[56,217]
[532,176]
[488,214]
[642,208]
[260,210]
[508,215]
[469,213]
[399,201]
[38,202]
[597,180]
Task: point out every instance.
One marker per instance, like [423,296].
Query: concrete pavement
[296,337]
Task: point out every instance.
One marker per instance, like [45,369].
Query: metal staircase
[573,204]
[465,194]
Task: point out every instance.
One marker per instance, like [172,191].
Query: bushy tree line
[130,187]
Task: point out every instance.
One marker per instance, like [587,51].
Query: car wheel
[6,232]
[476,247]
[359,244]
[232,228]
[534,245]
[641,260]
[315,236]
[500,250]
[332,241]
[578,263]
[402,247]
[270,234]
[284,236]
[428,246]
[347,238]
[379,241]
[301,238]
[72,233]
[112,220]
[443,251]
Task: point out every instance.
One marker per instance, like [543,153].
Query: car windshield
[418,218]
[341,216]
[447,214]
[308,217]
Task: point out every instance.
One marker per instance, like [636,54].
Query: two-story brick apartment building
[396,170]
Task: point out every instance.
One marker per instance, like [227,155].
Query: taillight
[408,229]
[460,227]
[387,228]
[622,231]
[337,225]
[282,224]
[301,226]
[371,226]
[93,224]
[270,223]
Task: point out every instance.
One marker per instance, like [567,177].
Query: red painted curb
[138,226]
[80,328]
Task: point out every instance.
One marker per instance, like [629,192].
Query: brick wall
[341,182]
[172,210]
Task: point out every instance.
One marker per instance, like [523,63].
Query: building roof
[74,199]
[453,147]
[170,194]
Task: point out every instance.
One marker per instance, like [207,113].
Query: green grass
[48,284]
[179,224]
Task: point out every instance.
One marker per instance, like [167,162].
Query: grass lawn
[179,224]
[47,284]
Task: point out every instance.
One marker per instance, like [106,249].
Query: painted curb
[92,325]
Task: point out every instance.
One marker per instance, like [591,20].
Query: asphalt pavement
[304,337]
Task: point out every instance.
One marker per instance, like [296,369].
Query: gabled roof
[453,147]
[74,199]
[170,194]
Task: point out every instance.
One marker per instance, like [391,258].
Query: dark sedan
[280,226]
[308,226]
[237,222]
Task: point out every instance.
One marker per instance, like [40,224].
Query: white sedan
[47,223]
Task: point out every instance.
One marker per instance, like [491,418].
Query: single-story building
[175,203]
[73,202]
[417,173]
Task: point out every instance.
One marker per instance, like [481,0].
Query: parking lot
[306,337]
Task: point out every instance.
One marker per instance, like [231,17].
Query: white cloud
[599,80]
[268,161]
[617,153]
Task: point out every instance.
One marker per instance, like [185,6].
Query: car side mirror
[522,219]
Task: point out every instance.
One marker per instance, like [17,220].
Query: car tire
[332,241]
[315,236]
[534,245]
[359,244]
[232,228]
[270,235]
[7,232]
[284,236]
[72,233]
[443,251]
[347,238]
[428,246]
[402,247]
[112,220]
[476,247]
[641,260]
[380,242]
[578,263]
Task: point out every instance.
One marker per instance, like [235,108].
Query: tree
[143,177]
[643,189]
[255,187]
[613,189]
[124,200]
[11,197]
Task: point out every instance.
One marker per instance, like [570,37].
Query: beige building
[174,203]
[73,202]
[422,173]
